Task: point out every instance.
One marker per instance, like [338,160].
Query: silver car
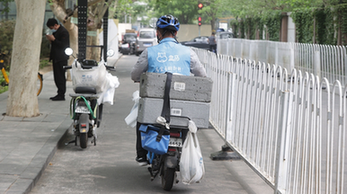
[146,37]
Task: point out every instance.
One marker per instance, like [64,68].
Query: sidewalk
[28,144]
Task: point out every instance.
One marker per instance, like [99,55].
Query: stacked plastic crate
[189,96]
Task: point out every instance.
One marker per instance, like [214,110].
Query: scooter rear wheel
[83,140]
[167,178]
[84,118]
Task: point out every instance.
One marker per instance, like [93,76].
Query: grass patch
[3,89]
[3,85]
[44,62]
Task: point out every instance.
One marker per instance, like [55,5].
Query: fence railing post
[230,106]
[316,64]
[283,143]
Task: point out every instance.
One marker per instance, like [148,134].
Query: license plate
[147,44]
[125,46]
[81,109]
[175,142]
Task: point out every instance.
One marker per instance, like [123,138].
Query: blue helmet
[169,22]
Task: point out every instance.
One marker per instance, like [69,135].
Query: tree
[121,8]
[22,100]
[185,11]
[214,9]
[96,10]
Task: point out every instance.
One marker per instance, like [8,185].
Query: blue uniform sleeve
[140,67]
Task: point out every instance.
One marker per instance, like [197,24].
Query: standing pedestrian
[59,42]
[212,42]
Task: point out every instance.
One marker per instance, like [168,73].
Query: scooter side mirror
[110,53]
[68,51]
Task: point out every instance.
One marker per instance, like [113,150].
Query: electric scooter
[167,165]
[84,109]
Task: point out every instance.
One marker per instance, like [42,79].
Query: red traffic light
[200,5]
[199,21]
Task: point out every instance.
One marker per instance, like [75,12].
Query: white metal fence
[322,60]
[291,133]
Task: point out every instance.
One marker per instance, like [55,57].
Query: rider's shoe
[142,161]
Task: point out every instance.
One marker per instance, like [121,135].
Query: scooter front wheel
[167,178]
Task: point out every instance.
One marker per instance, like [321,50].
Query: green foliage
[44,63]
[185,11]
[341,10]
[6,40]
[242,29]
[329,17]
[45,48]
[249,26]
[5,9]
[125,8]
[3,84]
[3,88]
[303,20]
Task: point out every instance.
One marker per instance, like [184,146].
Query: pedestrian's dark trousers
[139,150]
[213,47]
[59,76]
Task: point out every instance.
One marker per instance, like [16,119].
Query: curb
[28,179]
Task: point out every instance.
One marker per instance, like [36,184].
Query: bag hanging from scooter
[156,139]
[191,164]
[149,139]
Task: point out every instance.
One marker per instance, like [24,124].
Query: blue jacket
[169,56]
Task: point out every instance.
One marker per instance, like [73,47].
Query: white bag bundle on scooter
[191,164]
[93,77]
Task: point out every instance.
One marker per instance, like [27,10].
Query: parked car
[128,43]
[224,35]
[146,37]
[198,42]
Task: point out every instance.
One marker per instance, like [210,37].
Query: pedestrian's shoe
[142,161]
[58,98]
[51,98]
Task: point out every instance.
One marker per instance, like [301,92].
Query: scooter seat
[85,90]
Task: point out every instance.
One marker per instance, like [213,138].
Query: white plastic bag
[191,164]
[111,84]
[94,77]
[131,119]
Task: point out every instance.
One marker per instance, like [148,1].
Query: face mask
[53,30]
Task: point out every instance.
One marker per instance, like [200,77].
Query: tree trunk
[22,100]
[213,24]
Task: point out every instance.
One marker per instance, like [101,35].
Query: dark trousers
[139,150]
[213,47]
[59,76]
